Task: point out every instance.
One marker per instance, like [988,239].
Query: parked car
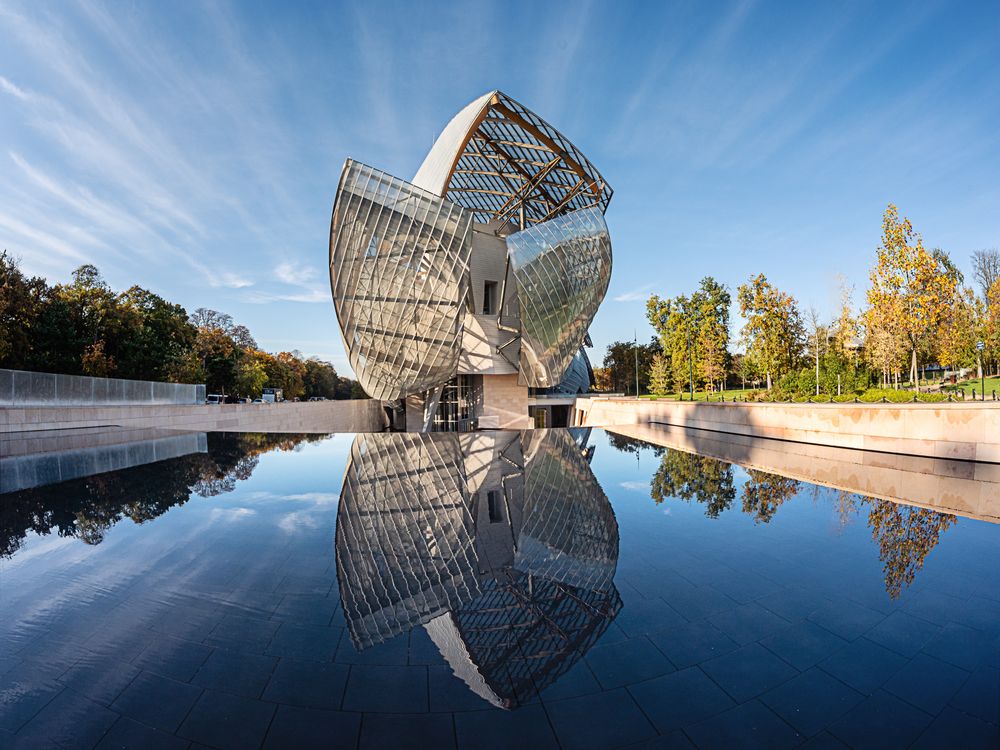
[317,398]
[215,399]
[260,401]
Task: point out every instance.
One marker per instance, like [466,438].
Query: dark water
[500,590]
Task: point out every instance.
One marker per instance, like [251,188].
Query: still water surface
[541,589]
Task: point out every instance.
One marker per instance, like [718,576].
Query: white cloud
[635,486]
[635,295]
[7,86]
[294,274]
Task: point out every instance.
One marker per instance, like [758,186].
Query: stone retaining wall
[355,415]
[969,432]
[958,487]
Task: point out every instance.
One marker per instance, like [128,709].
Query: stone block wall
[963,431]
[505,403]
[356,415]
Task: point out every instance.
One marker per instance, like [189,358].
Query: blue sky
[195,149]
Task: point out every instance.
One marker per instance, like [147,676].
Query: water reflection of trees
[86,508]
[692,477]
[905,534]
[764,493]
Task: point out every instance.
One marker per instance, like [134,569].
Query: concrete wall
[505,403]
[20,388]
[48,460]
[958,487]
[969,432]
[360,415]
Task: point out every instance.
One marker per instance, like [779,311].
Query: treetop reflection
[905,534]
[86,508]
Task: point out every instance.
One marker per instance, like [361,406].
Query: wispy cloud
[635,486]
[634,295]
[294,274]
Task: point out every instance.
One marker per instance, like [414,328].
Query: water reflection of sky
[732,621]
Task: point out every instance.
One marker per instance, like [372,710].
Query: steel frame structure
[400,252]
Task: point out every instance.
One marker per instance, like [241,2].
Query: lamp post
[690,364]
[635,341]
[982,372]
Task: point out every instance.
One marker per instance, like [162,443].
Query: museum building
[464,296]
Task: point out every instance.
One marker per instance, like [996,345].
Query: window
[490,298]
[493,498]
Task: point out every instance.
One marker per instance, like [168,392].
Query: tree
[694,333]
[251,374]
[773,332]
[620,361]
[660,375]
[320,379]
[818,341]
[158,339]
[20,304]
[602,380]
[911,288]
[713,301]
[986,269]
[956,336]
[991,324]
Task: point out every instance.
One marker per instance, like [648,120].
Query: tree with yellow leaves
[911,288]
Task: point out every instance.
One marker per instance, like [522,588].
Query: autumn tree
[773,332]
[911,288]
[956,336]
[991,324]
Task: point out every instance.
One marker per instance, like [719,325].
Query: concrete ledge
[951,431]
[356,415]
[951,486]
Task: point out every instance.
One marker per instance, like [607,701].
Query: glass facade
[562,269]
[399,259]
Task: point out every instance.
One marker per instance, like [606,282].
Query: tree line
[918,312]
[86,328]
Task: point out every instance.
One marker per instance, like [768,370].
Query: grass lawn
[992,384]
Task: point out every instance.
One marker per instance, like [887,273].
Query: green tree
[620,361]
[773,332]
[660,375]
[694,333]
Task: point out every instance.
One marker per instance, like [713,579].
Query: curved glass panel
[503,545]
[399,259]
[562,269]
[405,534]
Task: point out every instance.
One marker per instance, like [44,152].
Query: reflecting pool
[546,588]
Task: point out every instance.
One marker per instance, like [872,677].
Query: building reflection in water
[502,545]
